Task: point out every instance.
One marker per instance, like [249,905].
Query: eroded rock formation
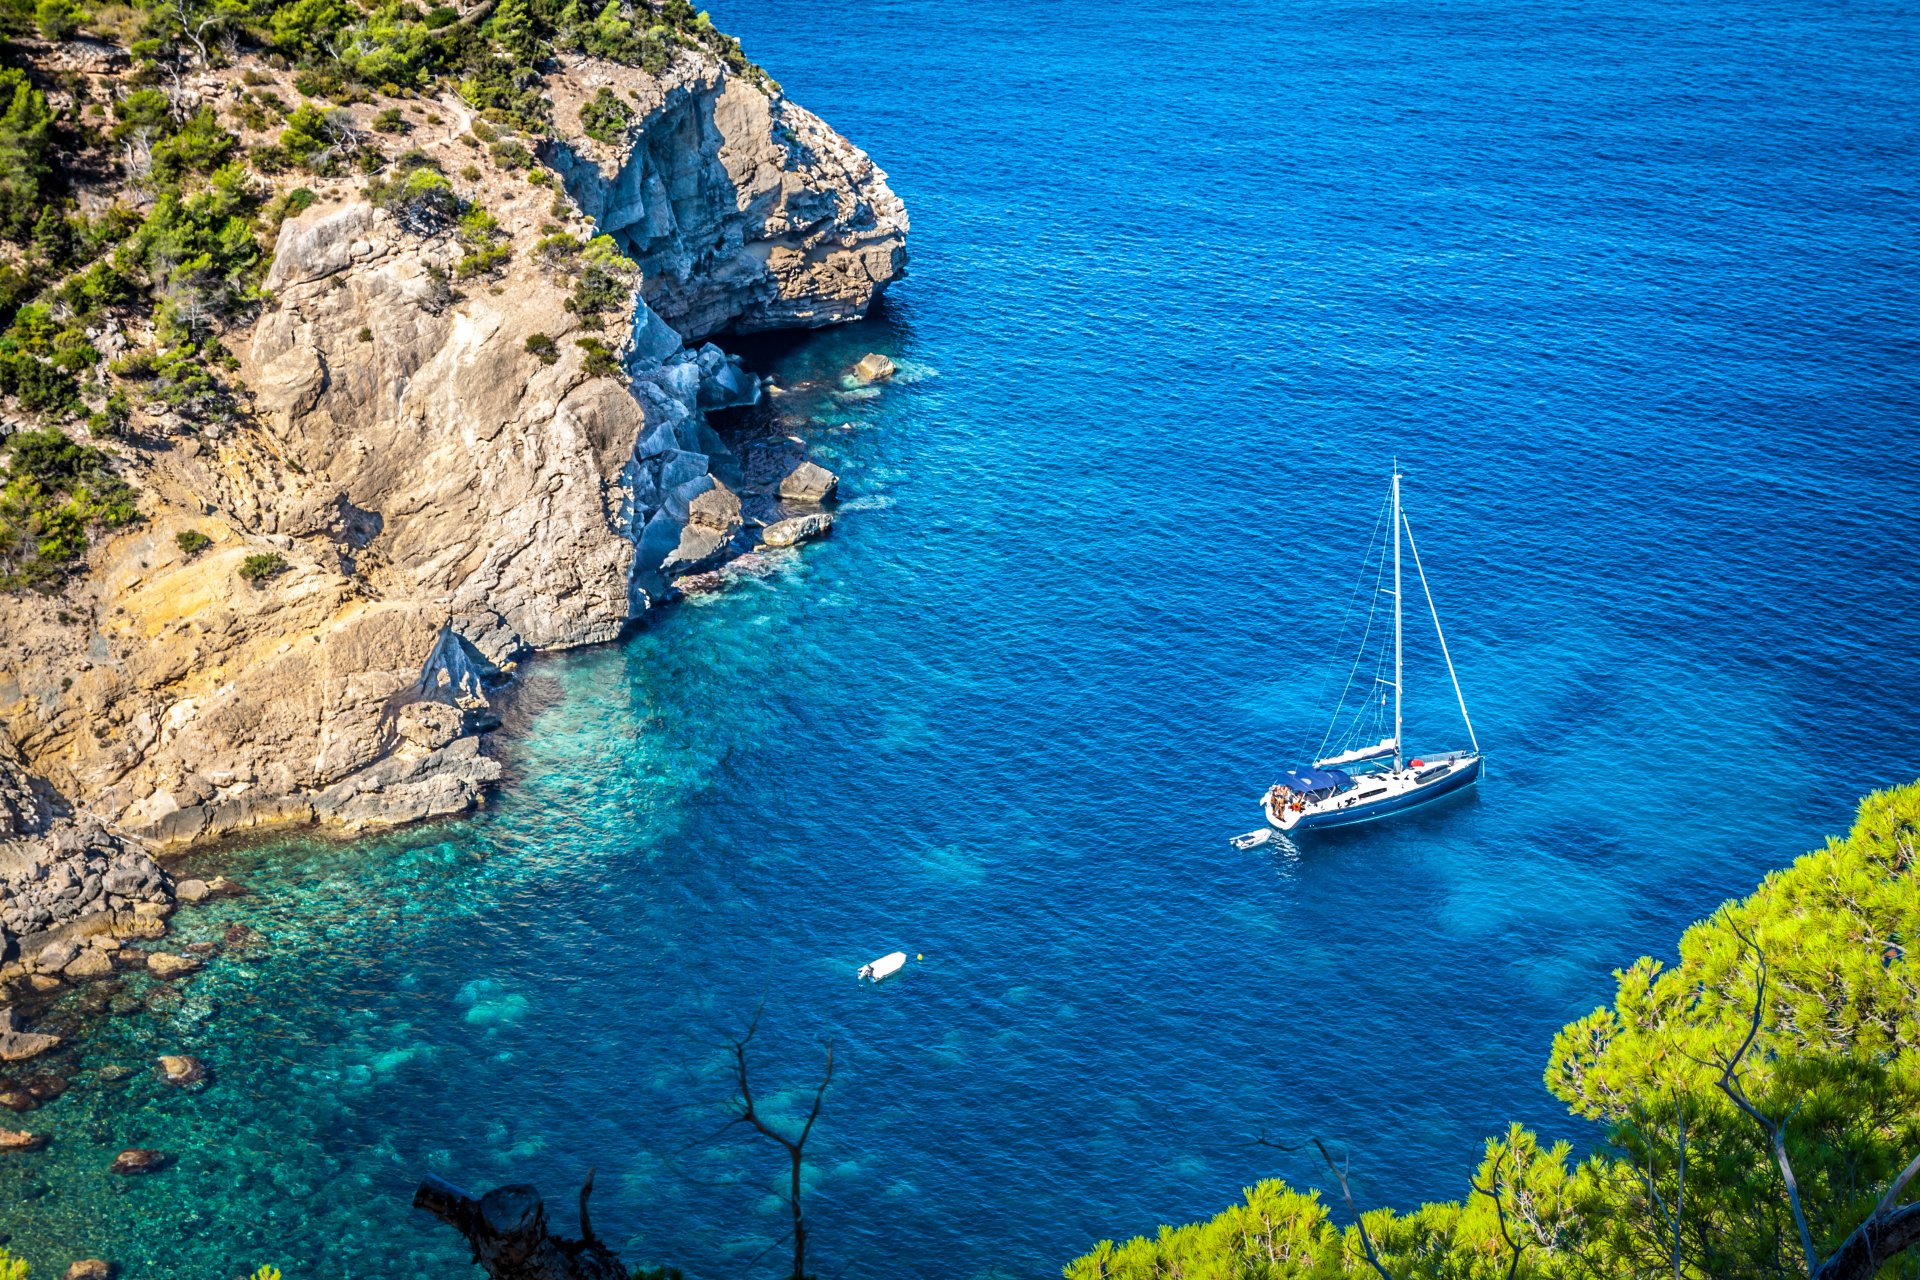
[433,480]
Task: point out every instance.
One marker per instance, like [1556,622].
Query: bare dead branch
[747,1111]
[1775,1130]
[1492,1192]
[1346,1193]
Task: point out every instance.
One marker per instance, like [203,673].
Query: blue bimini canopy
[1308,780]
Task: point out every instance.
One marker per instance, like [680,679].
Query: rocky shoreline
[444,480]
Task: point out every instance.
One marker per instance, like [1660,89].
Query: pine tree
[514,30]
[26,128]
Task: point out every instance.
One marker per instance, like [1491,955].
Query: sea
[1627,292]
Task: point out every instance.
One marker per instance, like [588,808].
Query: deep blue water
[1629,290]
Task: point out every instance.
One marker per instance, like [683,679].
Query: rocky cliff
[438,470]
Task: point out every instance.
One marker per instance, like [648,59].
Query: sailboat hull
[1361,805]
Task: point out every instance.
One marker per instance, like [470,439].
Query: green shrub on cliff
[12,1268]
[54,491]
[606,280]
[1796,1009]
[26,139]
[605,118]
[417,194]
[261,565]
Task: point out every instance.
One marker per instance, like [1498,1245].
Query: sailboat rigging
[1382,780]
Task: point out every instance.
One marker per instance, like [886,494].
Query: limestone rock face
[445,497]
[744,210]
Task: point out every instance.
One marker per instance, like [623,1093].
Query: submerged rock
[90,1269]
[190,890]
[182,1069]
[139,1160]
[46,1088]
[787,533]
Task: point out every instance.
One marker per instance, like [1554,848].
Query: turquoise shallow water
[1628,291]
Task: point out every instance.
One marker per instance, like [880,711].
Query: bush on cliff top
[605,118]
[1835,1061]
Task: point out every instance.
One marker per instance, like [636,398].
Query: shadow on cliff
[884,328]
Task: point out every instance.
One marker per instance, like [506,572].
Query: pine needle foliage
[1802,999]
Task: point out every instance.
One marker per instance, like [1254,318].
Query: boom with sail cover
[1378,751]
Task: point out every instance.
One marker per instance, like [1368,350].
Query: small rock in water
[137,1160]
[164,964]
[874,367]
[242,936]
[123,1004]
[787,533]
[43,982]
[201,948]
[191,890]
[810,482]
[113,1073]
[21,1140]
[90,1269]
[182,1069]
[17,1045]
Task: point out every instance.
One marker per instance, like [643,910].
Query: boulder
[56,955]
[90,1269]
[810,482]
[874,367]
[181,1069]
[17,1045]
[787,533]
[165,964]
[91,963]
[190,891]
[138,1160]
[21,1140]
[716,509]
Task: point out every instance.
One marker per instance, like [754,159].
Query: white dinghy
[885,967]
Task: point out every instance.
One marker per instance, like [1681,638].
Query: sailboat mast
[1397,754]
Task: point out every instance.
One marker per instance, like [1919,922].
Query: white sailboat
[1370,775]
